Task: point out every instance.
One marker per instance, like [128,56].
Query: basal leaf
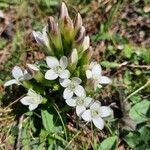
[140,112]
[109,143]
[47,119]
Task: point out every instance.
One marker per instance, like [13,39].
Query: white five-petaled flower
[32,99]
[95,114]
[19,75]
[81,103]
[95,73]
[57,68]
[72,86]
[41,38]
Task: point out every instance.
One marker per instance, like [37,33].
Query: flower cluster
[74,94]
[68,64]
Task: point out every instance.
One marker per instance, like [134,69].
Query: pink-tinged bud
[80,35]
[55,36]
[63,11]
[78,22]
[52,26]
[89,53]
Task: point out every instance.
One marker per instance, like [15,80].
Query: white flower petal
[88,101]
[96,70]
[65,74]
[67,94]
[96,105]
[64,82]
[80,110]
[105,111]
[52,62]
[79,91]
[27,100]
[33,67]
[51,75]
[31,93]
[71,102]
[88,74]
[76,80]
[32,107]
[63,62]
[38,37]
[10,82]
[38,99]
[92,64]
[104,80]
[17,72]
[87,115]
[98,122]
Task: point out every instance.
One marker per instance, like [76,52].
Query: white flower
[19,75]
[95,114]
[32,99]
[41,38]
[72,86]
[81,103]
[95,73]
[57,68]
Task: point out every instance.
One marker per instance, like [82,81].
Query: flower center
[96,77]
[72,86]
[59,69]
[80,101]
[94,113]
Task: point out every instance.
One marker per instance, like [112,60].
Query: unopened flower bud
[33,67]
[86,43]
[67,29]
[42,39]
[78,22]
[34,70]
[86,56]
[55,36]
[63,11]
[52,26]
[73,60]
[74,56]
[68,24]
[80,35]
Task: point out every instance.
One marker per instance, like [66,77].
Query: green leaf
[132,139]
[140,112]
[109,143]
[47,119]
[145,133]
